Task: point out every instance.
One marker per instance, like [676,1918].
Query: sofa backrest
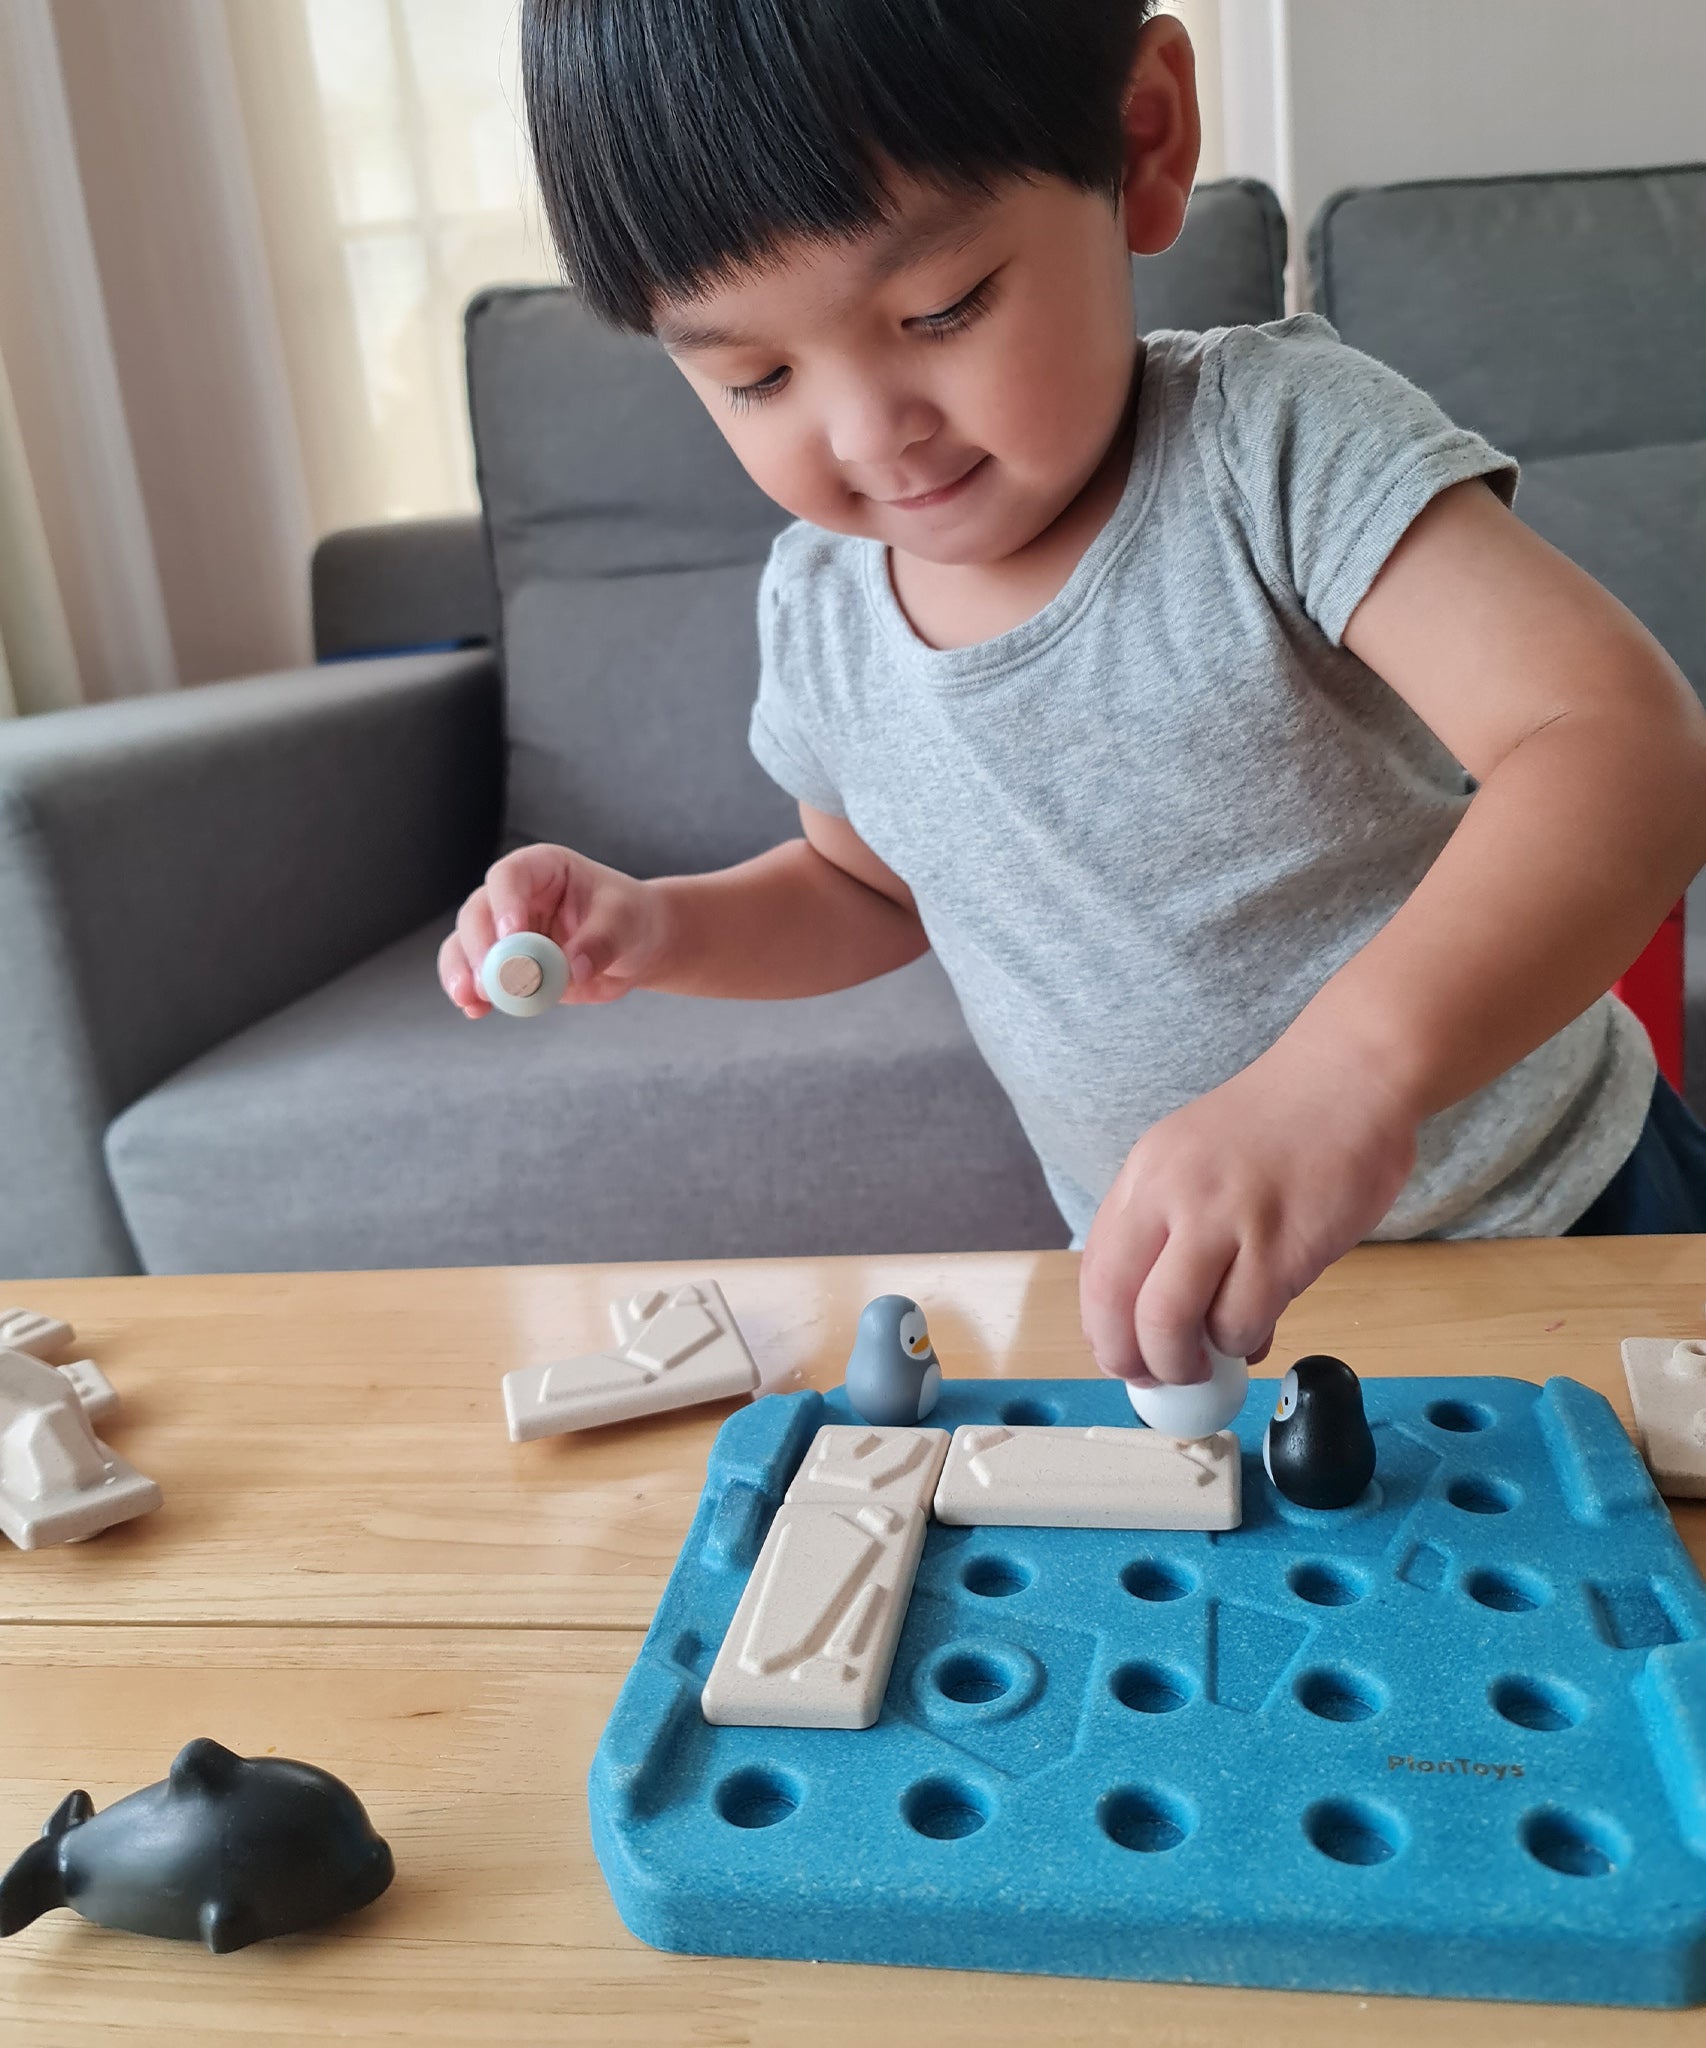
[627,543]
[1563,318]
[1556,315]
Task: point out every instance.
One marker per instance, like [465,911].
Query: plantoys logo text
[1454,1767]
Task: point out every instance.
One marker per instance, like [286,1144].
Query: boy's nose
[879,440]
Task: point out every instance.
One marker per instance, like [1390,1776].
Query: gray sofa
[223,1047]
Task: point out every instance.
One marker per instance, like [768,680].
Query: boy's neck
[958,604]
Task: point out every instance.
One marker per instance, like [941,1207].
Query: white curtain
[38,664]
[394,184]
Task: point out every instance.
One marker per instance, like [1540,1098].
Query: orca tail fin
[71,1812]
[33,1886]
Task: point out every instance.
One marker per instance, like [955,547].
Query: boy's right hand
[611,927]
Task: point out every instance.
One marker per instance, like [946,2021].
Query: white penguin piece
[524,975]
[893,1377]
[1195,1411]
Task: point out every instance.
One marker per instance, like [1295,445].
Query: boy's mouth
[923,500]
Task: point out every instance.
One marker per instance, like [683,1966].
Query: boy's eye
[740,396]
[932,326]
[960,314]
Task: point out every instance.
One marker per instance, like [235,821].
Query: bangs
[677,142]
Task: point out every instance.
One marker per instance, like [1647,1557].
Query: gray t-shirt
[1145,825]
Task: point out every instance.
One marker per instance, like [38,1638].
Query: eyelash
[935,327]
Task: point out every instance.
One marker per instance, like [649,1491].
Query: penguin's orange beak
[919,1346]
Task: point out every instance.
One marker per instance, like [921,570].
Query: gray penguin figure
[1318,1448]
[893,1377]
[226,1850]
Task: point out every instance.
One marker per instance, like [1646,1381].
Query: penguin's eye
[1288,1397]
[914,1334]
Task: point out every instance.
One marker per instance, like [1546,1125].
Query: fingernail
[507,925]
[580,968]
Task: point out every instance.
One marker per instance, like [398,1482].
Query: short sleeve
[1331,455]
[777,732]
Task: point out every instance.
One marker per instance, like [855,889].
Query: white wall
[1320,94]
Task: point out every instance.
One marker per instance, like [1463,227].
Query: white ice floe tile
[58,1481]
[38,1336]
[1667,1385]
[814,1636]
[677,1347]
[1056,1478]
[855,1462]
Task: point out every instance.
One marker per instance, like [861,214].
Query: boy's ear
[1163,135]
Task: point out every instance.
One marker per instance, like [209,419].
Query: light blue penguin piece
[893,1377]
[524,975]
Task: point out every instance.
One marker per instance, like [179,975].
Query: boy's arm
[811,915]
[1591,818]
[1590,821]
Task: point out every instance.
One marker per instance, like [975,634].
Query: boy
[1138,679]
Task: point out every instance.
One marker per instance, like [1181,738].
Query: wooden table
[355,1566]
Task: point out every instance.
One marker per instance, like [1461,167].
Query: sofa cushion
[1556,315]
[627,542]
[371,1124]
[1636,519]
[1227,269]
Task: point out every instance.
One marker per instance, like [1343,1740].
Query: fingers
[1119,1250]
[1252,1298]
[529,890]
[474,933]
[1173,1303]
[457,979]
[598,972]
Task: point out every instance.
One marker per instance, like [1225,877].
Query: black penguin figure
[226,1850]
[1318,1447]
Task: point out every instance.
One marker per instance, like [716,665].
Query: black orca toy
[1318,1447]
[228,1850]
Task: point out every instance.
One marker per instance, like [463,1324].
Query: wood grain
[332,1446]
[470,1749]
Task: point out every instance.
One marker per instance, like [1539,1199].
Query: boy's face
[981,344]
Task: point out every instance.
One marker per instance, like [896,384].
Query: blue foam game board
[1450,1741]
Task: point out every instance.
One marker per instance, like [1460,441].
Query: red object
[1653,989]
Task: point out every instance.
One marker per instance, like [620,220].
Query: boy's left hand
[1228,1209]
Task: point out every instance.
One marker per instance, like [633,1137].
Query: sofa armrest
[174,868]
[409,583]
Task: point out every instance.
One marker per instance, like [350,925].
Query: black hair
[678,141]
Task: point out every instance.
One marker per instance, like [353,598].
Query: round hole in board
[1542,1704]
[1156,1578]
[1506,1591]
[994,1578]
[1573,1844]
[945,1809]
[1339,1695]
[1151,1688]
[1029,1414]
[971,1678]
[1477,1495]
[1140,1817]
[1462,1418]
[1325,1585]
[1353,1831]
[758,1797]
